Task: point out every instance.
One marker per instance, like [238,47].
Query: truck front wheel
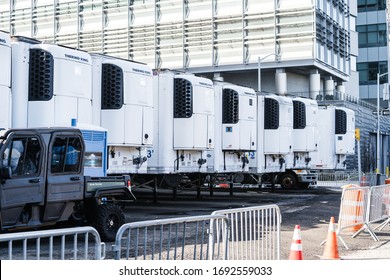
[107,220]
[288,181]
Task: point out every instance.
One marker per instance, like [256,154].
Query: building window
[368,72]
[371,5]
[373,35]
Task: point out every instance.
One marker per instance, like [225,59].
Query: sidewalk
[374,250]
[379,251]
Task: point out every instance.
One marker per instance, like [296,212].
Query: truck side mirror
[6,172]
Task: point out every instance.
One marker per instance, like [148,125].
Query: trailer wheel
[288,181]
[107,220]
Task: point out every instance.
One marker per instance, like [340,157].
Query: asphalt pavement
[376,251]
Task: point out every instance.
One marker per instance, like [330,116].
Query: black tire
[288,181]
[107,220]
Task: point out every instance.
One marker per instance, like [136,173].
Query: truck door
[65,181]
[25,190]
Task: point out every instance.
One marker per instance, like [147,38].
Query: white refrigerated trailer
[184,126]
[336,138]
[235,128]
[51,84]
[5,80]
[123,104]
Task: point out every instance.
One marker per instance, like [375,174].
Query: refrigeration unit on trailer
[336,138]
[184,123]
[305,141]
[235,129]
[5,80]
[123,104]
[51,84]
[274,135]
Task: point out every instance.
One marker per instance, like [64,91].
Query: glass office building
[372,59]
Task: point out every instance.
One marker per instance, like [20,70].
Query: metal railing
[186,238]
[254,232]
[363,206]
[63,244]
[339,179]
[379,206]
[336,179]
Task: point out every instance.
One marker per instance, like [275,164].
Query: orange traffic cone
[331,251]
[296,245]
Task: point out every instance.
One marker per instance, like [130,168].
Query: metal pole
[259,74]
[359,161]
[378,128]
[378,155]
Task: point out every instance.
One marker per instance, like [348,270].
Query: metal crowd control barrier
[379,206]
[354,211]
[254,232]
[363,206]
[187,238]
[63,244]
[336,179]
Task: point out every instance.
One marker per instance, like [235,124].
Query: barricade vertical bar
[128,244]
[97,251]
[184,240]
[136,243]
[25,248]
[145,241]
[169,241]
[51,248]
[38,244]
[196,239]
[263,234]
[75,247]
[153,241]
[176,241]
[202,240]
[161,240]
[63,247]
[10,249]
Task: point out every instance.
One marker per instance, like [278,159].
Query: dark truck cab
[42,183]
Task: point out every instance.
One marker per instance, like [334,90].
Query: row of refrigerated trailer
[167,124]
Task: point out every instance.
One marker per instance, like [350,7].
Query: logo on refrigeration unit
[3,41]
[76,58]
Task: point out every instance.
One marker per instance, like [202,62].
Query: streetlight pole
[277,56]
[378,154]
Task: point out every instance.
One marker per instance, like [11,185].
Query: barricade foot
[366,228]
[382,225]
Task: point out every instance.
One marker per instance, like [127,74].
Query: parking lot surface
[310,208]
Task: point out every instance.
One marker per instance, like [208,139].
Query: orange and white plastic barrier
[352,210]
